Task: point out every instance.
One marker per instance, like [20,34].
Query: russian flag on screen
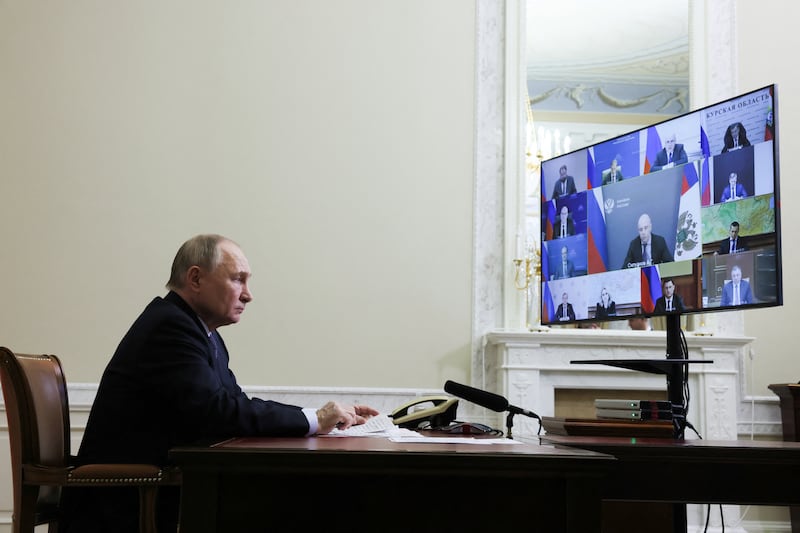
[705,184]
[594,181]
[550,219]
[548,309]
[651,288]
[652,148]
[596,232]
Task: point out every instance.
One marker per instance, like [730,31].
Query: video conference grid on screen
[676,217]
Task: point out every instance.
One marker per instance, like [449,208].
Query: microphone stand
[509,424]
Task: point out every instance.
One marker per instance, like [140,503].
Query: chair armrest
[101,475]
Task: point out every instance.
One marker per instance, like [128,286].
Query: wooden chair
[35,393]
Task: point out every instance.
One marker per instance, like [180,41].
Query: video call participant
[606,306]
[565,311]
[735,137]
[734,190]
[669,302]
[564,225]
[648,248]
[672,154]
[169,384]
[613,174]
[733,243]
[737,292]
[565,184]
[565,268]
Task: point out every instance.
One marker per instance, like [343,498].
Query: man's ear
[193,277]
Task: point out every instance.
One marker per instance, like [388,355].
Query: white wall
[767,33]
[332,140]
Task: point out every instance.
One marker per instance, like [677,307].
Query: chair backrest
[35,394]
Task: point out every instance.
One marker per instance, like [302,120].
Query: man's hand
[334,415]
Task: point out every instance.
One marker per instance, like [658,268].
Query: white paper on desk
[376,426]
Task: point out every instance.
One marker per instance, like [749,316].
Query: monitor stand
[675,367]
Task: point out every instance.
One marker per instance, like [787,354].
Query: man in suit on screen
[669,302]
[672,154]
[648,248]
[565,184]
[737,292]
[733,244]
[565,268]
[613,174]
[565,312]
[734,190]
[564,225]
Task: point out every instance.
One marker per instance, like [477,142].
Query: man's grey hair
[200,250]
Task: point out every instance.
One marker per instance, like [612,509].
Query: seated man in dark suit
[565,184]
[565,311]
[613,174]
[648,248]
[169,384]
[734,190]
[737,292]
[672,154]
[669,302]
[564,268]
[734,243]
[564,226]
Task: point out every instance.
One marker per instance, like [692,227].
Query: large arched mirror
[595,71]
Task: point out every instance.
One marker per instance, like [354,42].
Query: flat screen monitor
[674,218]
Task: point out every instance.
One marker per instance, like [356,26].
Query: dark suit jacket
[557,227]
[725,245]
[560,273]
[659,252]
[607,176]
[726,193]
[605,312]
[745,294]
[568,184]
[677,304]
[679,157]
[560,312]
[167,384]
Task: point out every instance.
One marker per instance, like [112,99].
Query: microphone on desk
[486,399]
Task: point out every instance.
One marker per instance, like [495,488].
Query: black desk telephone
[441,412]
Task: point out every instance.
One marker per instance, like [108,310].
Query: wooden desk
[695,471]
[372,484]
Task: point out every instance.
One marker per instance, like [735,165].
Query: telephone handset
[441,412]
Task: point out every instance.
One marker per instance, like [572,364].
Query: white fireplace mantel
[529,367]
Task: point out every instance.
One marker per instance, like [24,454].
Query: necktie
[564,186]
[563,230]
[670,157]
[669,304]
[645,254]
[564,272]
[565,310]
[733,246]
[214,346]
[736,294]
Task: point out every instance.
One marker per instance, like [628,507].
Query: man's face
[670,143]
[669,288]
[644,230]
[564,214]
[563,254]
[223,292]
[736,275]
[564,298]
[732,180]
[614,165]
[563,172]
[734,232]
